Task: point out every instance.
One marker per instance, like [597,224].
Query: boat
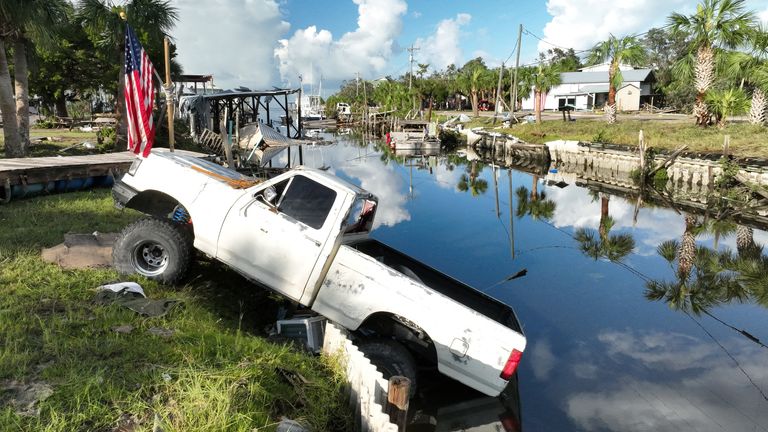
[417,135]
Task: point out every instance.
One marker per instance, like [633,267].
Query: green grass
[216,373]
[746,140]
[64,138]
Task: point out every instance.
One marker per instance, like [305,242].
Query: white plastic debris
[119,286]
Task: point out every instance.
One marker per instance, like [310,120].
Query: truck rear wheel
[391,359]
[158,249]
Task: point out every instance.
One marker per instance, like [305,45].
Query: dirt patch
[23,397]
[81,251]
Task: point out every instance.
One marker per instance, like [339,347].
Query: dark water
[600,355]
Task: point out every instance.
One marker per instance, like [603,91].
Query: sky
[264,43]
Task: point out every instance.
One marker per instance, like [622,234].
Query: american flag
[139,95]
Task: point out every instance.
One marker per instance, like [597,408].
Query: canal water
[619,339]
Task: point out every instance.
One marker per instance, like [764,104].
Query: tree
[613,247]
[716,24]
[152,20]
[71,68]
[664,49]
[616,51]
[473,77]
[475,186]
[564,60]
[22,22]
[542,81]
[752,68]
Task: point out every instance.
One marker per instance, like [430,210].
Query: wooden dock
[26,172]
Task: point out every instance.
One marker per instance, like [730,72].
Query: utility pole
[411,50]
[357,83]
[513,101]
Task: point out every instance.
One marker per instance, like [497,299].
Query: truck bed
[440,282]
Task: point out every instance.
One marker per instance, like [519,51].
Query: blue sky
[261,43]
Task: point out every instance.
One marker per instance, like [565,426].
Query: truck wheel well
[153,203]
[385,324]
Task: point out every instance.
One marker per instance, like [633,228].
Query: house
[588,89]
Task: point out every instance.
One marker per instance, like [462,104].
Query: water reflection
[601,356]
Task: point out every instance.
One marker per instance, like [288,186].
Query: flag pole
[168,92]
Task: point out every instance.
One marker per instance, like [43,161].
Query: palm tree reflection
[476,186]
[534,204]
[704,277]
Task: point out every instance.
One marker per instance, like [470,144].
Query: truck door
[278,243]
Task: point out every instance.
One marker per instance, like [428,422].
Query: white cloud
[580,24]
[443,47]
[542,359]
[312,52]
[705,391]
[231,39]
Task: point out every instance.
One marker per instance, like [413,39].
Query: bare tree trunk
[610,107]
[61,106]
[473,95]
[13,146]
[21,80]
[537,105]
[429,110]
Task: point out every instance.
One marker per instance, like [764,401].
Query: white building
[588,89]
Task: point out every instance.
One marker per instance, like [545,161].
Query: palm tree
[628,49]
[22,22]
[716,24]
[537,206]
[152,18]
[545,77]
[752,68]
[726,103]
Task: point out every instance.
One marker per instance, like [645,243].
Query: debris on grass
[81,251]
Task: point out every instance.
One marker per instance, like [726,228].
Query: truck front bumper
[122,193]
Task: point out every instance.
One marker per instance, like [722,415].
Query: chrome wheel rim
[150,258]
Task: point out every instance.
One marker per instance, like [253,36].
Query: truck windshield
[360,217]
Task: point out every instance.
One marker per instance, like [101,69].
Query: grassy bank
[746,140]
[214,373]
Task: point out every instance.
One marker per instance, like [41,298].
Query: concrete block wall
[366,385]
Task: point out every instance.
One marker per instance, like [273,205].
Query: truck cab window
[307,201]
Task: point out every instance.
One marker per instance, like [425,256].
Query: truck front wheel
[158,249]
[391,359]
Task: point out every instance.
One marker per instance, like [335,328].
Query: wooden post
[168,94]
[398,396]
[726,145]
[641,145]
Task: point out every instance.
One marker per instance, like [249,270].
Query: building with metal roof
[587,89]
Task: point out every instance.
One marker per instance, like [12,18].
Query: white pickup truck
[304,234]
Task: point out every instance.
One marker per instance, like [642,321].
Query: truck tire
[391,358]
[158,249]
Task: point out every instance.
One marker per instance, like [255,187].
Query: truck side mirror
[267,196]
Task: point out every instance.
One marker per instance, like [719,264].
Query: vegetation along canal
[627,328]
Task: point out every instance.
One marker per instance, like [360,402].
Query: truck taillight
[511,366]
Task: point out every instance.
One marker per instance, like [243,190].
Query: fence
[366,385]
